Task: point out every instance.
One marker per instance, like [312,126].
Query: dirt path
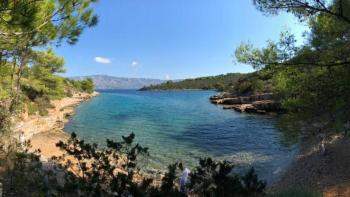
[329,174]
[46,142]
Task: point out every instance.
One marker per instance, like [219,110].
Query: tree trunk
[24,59]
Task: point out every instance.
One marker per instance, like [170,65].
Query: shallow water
[184,126]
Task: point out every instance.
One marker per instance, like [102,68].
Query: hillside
[110,82]
[220,82]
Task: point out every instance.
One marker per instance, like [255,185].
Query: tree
[87,86]
[304,9]
[25,25]
[46,63]
[313,79]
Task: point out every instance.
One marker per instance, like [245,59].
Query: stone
[262,103]
[231,101]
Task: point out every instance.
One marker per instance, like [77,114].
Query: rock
[261,111]
[221,96]
[238,109]
[231,106]
[261,97]
[267,105]
[245,99]
[216,101]
[257,103]
[249,108]
[231,101]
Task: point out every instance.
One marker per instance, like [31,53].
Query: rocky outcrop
[57,116]
[256,103]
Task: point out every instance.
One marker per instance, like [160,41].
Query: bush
[113,171]
[4,120]
[214,179]
[43,103]
[86,85]
[55,87]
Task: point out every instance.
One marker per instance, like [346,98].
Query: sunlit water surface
[184,126]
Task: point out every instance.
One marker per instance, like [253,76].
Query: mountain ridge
[113,82]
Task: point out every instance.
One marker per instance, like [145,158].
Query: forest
[220,83]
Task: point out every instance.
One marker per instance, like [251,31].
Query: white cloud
[103,60]
[167,76]
[134,63]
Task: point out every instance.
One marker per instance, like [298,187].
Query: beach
[44,132]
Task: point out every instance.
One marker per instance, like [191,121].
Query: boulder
[249,108]
[262,97]
[245,99]
[222,95]
[256,103]
[214,101]
[267,105]
[231,101]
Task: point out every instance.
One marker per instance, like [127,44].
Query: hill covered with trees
[220,82]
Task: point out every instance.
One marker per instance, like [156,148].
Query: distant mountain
[110,82]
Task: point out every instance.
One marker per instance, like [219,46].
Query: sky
[171,39]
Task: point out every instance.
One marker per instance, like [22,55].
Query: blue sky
[171,39]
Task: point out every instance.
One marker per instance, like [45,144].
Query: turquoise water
[184,126]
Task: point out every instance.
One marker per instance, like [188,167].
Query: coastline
[309,169]
[44,132]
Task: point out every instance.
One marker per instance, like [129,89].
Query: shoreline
[44,132]
[328,174]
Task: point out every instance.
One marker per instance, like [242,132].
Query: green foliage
[313,80]
[98,167]
[86,85]
[55,88]
[215,179]
[5,82]
[46,63]
[304,9]
[114,171]
[168,186]
[26,30]
[4,120]
[220,83]
[257,82]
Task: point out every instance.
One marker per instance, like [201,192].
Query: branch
[46,21]
[302,4]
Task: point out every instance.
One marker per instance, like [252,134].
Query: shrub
[4,120]
[214,179]
[113,171]
[43,103]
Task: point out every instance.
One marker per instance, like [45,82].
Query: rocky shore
[57,116]
[264,103]
[45,131]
